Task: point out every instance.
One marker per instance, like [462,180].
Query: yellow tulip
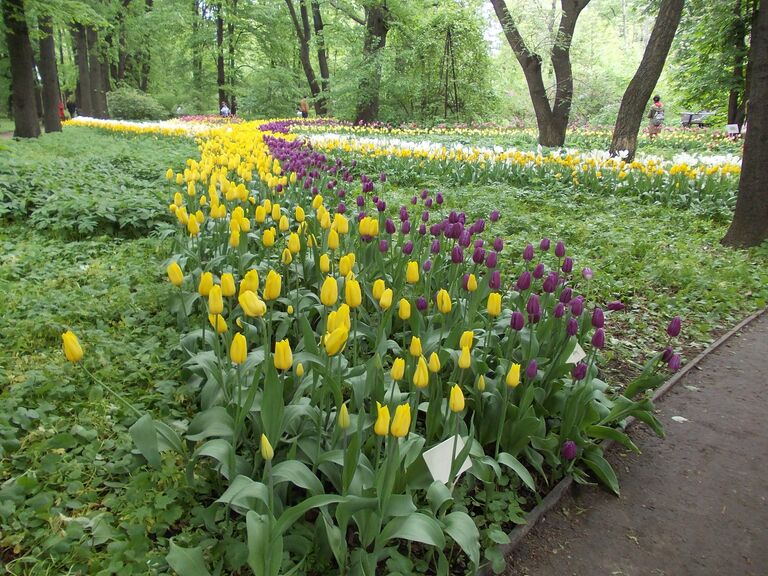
[467,338]
[465,358]
[206,283]
[267,205]
[494,304]
[72,349]
[218,322]
[178,200]
[215,301]
[471,283]
[340,224]
[456,401]
[345,265]
[169,174]
[381,427]
[238,351]
[193,227]
[283,357]
[227,284]
[325,263]
[272,285]
[343,417]
[298,214]
[398,369]
[401,423]
[286,258]
[333,240]
[412,272]
[175,275]
[268,238]
[267,452]
[283,225]
[329,292]
[481,383]
[443,301]
[199,216]
[234,238]
[421,374]
[415,348]
[276,212]
[260,214]
[317,201]
[386,299]
[250,282]
[336,340]
[404,309]
[179,179]
[378,288]
[294,245]
[353,295]
[299,369]
[289,309]
[513,376]
[325,219]
[434,363]
[252,305]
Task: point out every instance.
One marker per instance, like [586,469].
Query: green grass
[74,498]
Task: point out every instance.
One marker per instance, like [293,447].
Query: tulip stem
[116,394]
[501,421]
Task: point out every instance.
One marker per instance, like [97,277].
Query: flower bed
[333,341]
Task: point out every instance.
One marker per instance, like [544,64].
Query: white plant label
[438,459]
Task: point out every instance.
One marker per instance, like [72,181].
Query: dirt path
[694,503]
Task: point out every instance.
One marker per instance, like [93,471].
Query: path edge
[562,488]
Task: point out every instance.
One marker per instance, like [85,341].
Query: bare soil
[693,503]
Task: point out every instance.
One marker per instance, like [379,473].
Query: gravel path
[692,503]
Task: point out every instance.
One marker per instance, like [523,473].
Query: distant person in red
[62,117]
[655,117]
[304,107]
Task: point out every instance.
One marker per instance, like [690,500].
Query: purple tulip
[279,188]
[383,245]
[533,308]
[550,283]
[381,206]
[495,281]
[560,249]
[579,371]
[491,259]
[498,244]
[587,273]
[361,215]
[528,253]
[572,328]
[389,226]
[559,310]
[435,248]
[567,265]
[479,226]
[615,306]
[382,177]
[424,193]
[360,201]
[494,216]
[427,266]
[403,213]
[598,318]
[341,208]
[457,255]
[674,363]
[422,229]
[577,306]
[453,217]
[598,338]
[414,199]
[566,295]
[341,193]
[408,247]
[406,227]
[428,202]
[524,282]
[479,243]
[465,239]
[478,256]
[421,303]
[330,185]
[517,321]
[439,198]
[667,354]
[674,327]
[532,370]
[544,244]
[465,282]
[538,271]
[315,190]
[569,450]
[375,199]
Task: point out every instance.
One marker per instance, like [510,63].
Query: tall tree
[49,75]
[83,92]
[221,77]
[22,78]
[98,87]
[304,36]
[376,28]
[750,221]
[322,53]
[551,118]
[231,41]
[634,103]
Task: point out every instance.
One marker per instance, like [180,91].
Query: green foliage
[83,182]
[130,104]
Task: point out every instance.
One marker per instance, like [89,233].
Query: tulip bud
[299,369]
[286,258]
[480,383]
[569,450]
[215,301]
[544,244]
[175,275]
[532,370]
[579,371]
[566,295]
[560,249]
[343,418]
[494,304]
[528,253]
[615,306]
[572,328]
[674,327]
[378,288]
[381,427]
[434,363]
[456,400]
[251,304]
[267,452]
[421,304]
[538,271]
[72,349]
[238,351]
[205,285]
[465,358]
[329,292]
[598,318]
[523,282]
[513,376]
[412,272]
[272,286]
[404,309]
[533,309]
[336,340]
[443,301]
[352,293]
[283,358]
[421,374]
[218,323]
[559,310]
[386,299]
[294,245]
[587,274]
[517,321]
[415,348]
[401,423]
[598,338]
[674,363]
[457,255]
[227,285]
[577,306]
[398,369]
[667,354]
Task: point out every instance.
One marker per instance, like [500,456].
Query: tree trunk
[197,57]
[49,74]
[551,119]
[231,62]
[221,78]
[750,221]
[736,94]
[376,29]
[98,89]
[22,77]
[635,101]
[322,55]
[303,34]
[80,45]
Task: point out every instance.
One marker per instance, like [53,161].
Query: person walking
[304,107]
[655,117]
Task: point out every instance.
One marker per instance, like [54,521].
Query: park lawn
[83,502]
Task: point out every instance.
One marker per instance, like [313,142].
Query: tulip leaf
[168,438]
[438,495]
[265,549]
[214,422]
[417,527]
[335,539]
[642,383]
[517,467]
[297,473]
[243,494]
[144,437]
[601,468]
[221,451]
[186,561]
[460,527]
[605,432]
[400,505]
[272,405]
[351,458]
[292,514]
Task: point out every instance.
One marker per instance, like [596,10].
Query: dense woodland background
[395,61]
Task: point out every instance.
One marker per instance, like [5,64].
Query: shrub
[131,104]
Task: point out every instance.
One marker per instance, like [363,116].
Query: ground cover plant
[645,256]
